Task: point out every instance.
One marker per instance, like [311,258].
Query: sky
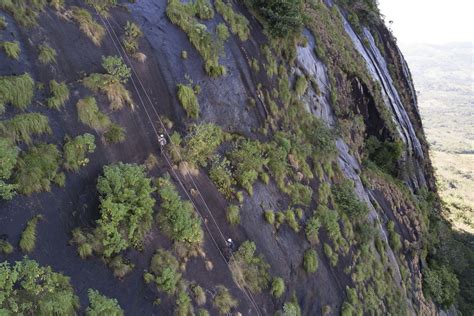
[430,21]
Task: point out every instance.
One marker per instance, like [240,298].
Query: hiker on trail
[162,140]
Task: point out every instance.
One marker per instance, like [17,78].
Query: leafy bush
[310,261]
[291,309]
[249,269]
[347,201]
[223,301]
[164,269]
[199,294]
[301,85]
[441,285]
[233,215]
[12,49]
[28,237]
[102,305]
[5,247]
[28,289]
[17,90]
[238,23]
[89,114]
[278,287]
[203,9]
[102,5]
[76,149]
[332,256]
[183,304]
[120,266]
[115,134]
[131,38]
[47,55]
[37,168]
[300,194]
[177,218]
[187,98]
[312,229]
[384,154]
[291,220]
[8,159]
[269,217]
[115,66]
[221,175]
[59,94]
[222,32]
[88,25]
[201,142]
[394,240]
[22,127]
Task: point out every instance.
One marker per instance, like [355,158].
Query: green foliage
[8,157]
[131,37]
[5,247]
[89,114]
[112,83]
[233,214]
[203,9]
[24,12]
[221,175]
[238,23]
[28,289]
[102,5]
[385,154]
[201,142]
[249,269]
[22,127]
[76,149]
[183,304]
[115,66]
[269,217]
[3,23]
[28,237]
[199,294]
[347,202]
[332,256]
[88,25]
[291,220]
[47,54]
[59,94]
[187,98]
[164,269]
[301,85]
[177,218]
[310,261]
[115,134]
[248,160]
[222,32]
[37,168]
[12,49]
[394,237]
[120,266]
[300,194]
[291,309]
[100,305]
[224,302]
[312,229]
[441,285]
[16,90]
[278,287]
[282,18]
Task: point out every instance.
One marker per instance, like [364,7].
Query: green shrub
[201,142]
[3,23]
[269,217]
[5,247]
[203,9]
[37,168]
[183,304]
[131,38]
[347,201]
[8,159]
[164,268]
[278,287]
[223,301]
[385,154]
[291,220]
[88,25]
[301,86]
[28,237]
[102,5]
[249,269]
[12,49]
[115,67]
[89,114]
[332,256]
[59,94]
[29,289]
[312,229]
[238,23]
[47,55]
[101,305]
[310,261]
[202,312]
[394,237]
[120,267]
[441,285]
[24,12]
[17,90]
[76,150]
[291,309]
[115,134]
[177,218]
[187,98]
[115,91]
[221,175]
[22,127]
[222,32]
[199,294]
[300,194]
[233,215]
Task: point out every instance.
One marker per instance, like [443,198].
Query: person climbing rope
[162,140]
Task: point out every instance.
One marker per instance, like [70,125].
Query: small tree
[102,305]
[115,67]
[310,261]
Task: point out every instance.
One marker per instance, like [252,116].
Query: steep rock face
[384,277]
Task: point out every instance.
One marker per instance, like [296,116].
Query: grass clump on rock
[249,269]
[89,114]
[347,201]
[8,159]
[5,247]
[76,149]
[115,134]
[16,90]
[28,237]
[22,127]
[188,99]
[278,287]
[37,168]
[222,177]
[310,261]
[201,143]
[164,271]
[233,215]
[131,37]
[88,25]
[12,49]
[47,54]
[224,302]
[102,305]
[29,289]
[59,95]
[238,23]
[24,12]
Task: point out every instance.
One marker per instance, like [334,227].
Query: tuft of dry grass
[88,25]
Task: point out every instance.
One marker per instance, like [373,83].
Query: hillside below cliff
[216,157]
